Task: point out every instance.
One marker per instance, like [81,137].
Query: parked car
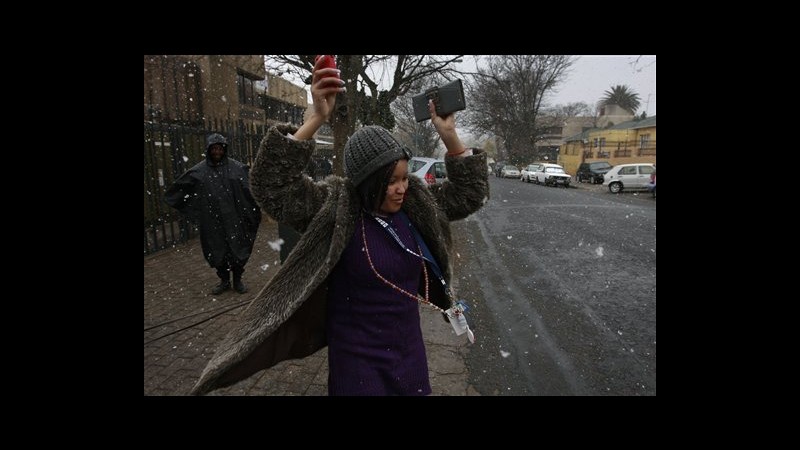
[628,176]
[528,172]
[429,170]
[509,171]
[553,174]
[592,171]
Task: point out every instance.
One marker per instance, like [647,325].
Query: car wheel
[615,187]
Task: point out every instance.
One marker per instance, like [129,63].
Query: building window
[643,141]
[247,89]
[282,111]
[602,143]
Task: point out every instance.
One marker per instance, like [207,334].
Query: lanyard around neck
[393,233]
[436,270]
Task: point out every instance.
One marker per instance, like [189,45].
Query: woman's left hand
[446,127]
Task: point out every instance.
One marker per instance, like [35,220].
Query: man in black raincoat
[215,194]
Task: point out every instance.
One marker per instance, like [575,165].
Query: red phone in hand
[328,61]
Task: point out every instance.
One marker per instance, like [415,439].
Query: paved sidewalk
[177,282]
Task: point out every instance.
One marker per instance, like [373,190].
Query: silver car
[529,172]
[509,171]
[628,176]
[429,170]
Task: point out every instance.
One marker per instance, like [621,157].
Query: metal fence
[171,149]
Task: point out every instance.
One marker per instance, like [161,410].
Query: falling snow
[276,245]
[599,251]
[265,267]
[185,158]
[505,354]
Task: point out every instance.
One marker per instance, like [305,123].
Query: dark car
[592,171]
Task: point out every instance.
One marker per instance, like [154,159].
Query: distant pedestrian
[374,246]
[215,193]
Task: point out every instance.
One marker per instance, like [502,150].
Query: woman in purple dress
[374,246]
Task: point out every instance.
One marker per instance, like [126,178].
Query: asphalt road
[562,288]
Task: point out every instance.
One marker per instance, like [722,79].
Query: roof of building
[629,125]
[581,136]
[634,124]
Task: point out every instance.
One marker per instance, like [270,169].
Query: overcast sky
[591,76]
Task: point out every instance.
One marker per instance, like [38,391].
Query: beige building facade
[193,89]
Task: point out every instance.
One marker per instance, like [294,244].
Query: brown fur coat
[286,320]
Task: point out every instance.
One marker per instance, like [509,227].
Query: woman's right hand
[325,84]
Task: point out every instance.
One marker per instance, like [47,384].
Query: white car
[528,173]
[628,176]
[429,170]
[553,174]
[509,171]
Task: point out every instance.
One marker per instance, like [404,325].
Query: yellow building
[629,142]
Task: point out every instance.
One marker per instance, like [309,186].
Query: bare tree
[420,137]
[507,95]
[364,101]
[570,110]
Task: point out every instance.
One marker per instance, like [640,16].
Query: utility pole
[647,104]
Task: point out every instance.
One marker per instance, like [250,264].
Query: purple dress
[375,342]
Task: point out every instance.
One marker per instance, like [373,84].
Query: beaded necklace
[417,297]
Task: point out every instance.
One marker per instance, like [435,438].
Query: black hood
[216,138]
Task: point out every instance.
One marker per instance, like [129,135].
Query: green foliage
[622,96]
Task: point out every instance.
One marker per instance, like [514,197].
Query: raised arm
[276,180]
[466,188]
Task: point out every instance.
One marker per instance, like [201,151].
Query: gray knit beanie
[369,149]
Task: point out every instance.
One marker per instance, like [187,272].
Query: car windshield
[601,165]
[554,170]
[416,165]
